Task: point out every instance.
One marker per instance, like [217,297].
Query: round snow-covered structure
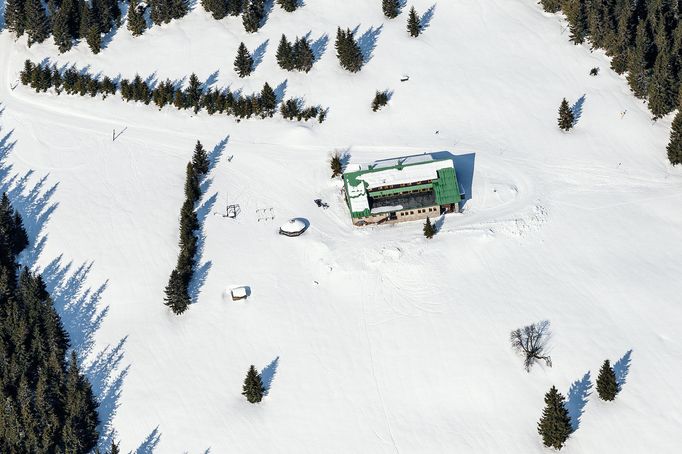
[294,227]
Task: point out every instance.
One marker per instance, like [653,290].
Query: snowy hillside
[380,341]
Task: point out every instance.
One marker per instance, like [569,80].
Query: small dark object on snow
[404,78]
[594,72]
[321,204]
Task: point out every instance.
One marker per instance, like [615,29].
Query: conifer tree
[303,55]
[348,51]
[80,421]
[336,165]
[551,6]
[640,61]
[217,8]
[284,54]
[268,100]
[60,30]
[192,189]
[14,16]
[36,23]
[661,88]
[253,388]
[136,22]
[414,27]
[243,63]
[555,425]
[391,8]
[94,38]
[252,17]
[566,117]
[380,100]
[235,7]
[576,13]
[85,20]
[675,144]
[114,449]
[429,229]
[193,92]
[288,5]
[607,387]
[200,161]
[177,297]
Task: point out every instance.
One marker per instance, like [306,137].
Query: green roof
[445,186]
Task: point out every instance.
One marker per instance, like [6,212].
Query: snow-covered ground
[379,340]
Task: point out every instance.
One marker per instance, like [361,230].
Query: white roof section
[386,209]
[239,292]
[293,226]
[402,161]
[405,175]
[358,198]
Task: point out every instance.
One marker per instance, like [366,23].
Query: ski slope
[375,340]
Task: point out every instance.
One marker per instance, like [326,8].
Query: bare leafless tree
[531,343]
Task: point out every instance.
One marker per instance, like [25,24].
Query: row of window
[425,210]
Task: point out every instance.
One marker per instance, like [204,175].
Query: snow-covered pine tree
[253,15]
[253,388]
[268,100]
[136,22]
[414,27]
[303,55]
[176,297]
[607,386]
[285,58]
[429,229]
[37,26]
[391,8]
[14,16]
[348,51]
[200,160]
[94,38]
[243,63]
[288,5]
[675,143]
[566,117]
[60,31]
[555,425]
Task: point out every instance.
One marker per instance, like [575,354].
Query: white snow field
[380,341]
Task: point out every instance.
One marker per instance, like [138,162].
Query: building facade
[402,189]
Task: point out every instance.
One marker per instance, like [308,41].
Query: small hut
[294,227]
[239,293]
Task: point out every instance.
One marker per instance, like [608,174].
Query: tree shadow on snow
[150,443]
[268,374]
[259,53]
[281,90]
[79,307]
[427,17]
[368,42]
[210,80]
[577,399]
[577,109]
[622,368]
[319,46]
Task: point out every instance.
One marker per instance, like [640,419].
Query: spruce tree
[114,449]
[60,31]
[200,161]
[566,118]
[607,387]
[639,67]
[193,93]
[661,88]
[303,55]
[675,144]
[268,100]
[136,22]
[192,189]
[14,16]
[85,20]
[348,51]
[336,165]
[288,5]
[429,229]
[380,100]
[555,425]
[391,8]
[36,23]
[253,388]
[177,297]
[80,420]
[551,6]
[414,27]
[284,54]
[576,13]
[243,63]
[252,17]
[94,38]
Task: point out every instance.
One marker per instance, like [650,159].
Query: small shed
[239,293]
[294,227]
